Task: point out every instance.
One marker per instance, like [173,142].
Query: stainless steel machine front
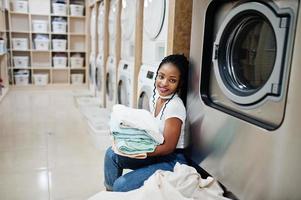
[242,104]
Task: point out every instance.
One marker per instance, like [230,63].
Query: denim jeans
[142,169]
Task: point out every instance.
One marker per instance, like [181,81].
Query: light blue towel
[130,140]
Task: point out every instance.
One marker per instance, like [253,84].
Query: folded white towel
[137,118]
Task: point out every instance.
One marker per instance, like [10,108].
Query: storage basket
[59,9]
[20,6]
[77,79]
[59,27]
[21,61]
[59,62]
[76,10]
[20,43]
[59,44]
[40,79]
[41,44]
[77,62]
[39,26]
[21,79]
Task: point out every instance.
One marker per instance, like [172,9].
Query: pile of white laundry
[184,183]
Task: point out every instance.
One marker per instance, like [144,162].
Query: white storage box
[20,6]
[59,27]
[20,43]
[59,9]
[76,10]
[21,61]
[100,132]
[59,44]
[77,62]
[41,44]
[21,79]
[59,62]
[77,79]
[40,79]
[39,26]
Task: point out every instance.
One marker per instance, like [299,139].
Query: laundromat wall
[178,40]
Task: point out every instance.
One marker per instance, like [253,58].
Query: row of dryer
[113,81]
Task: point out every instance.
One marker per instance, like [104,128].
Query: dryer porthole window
[249,56]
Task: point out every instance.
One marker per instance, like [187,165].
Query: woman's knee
[122,184]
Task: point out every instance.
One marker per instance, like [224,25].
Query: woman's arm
[172,131]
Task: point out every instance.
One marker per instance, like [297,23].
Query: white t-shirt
[174,108]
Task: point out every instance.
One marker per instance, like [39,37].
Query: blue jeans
[142,169]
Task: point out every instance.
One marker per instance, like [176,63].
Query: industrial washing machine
[242,109]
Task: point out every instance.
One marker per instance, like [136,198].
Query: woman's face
[168,79]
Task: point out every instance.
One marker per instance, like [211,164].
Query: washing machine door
[112,18]
[144,97]
[109,86]
[99,73]
[248,58]
[92,70]
[123,91]
[128,18]
[153,19]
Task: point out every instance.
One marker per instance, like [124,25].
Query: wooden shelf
[52,33]
[54,15]
[78,34]
[77,17]
[45,33]
[26,32]
[83,68]
[18,13]
[58,68]
[21,25]
[28,50]
[42,68]
[20,68]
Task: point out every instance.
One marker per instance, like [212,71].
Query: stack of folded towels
[135,131]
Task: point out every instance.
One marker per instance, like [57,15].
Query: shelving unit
[4,83]
[21,25]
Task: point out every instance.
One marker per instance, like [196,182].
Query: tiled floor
[45,149]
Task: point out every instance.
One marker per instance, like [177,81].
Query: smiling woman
[168,109]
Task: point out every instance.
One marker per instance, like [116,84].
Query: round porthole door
[128,18]
[123,97]
[154,12]
[248,53]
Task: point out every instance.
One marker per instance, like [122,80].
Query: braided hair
[181,63]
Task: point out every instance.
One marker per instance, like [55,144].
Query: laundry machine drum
[123,97]
[98,78]
[248,53]
[154,13]
[109,87]
[143,102]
